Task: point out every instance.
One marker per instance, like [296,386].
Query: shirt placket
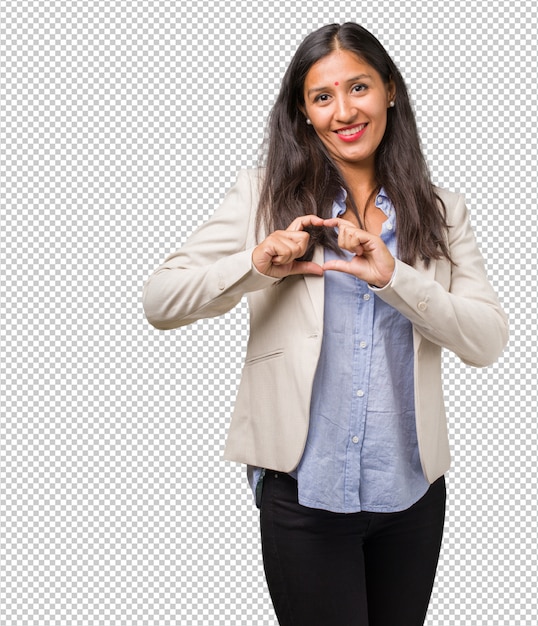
[362,352]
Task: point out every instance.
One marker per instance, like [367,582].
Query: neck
[360,180]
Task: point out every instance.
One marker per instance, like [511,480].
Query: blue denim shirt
[361,452]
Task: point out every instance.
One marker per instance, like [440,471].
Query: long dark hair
[301,177]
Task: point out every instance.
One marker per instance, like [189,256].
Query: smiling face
[346,100]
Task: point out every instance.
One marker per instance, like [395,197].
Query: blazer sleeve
[466,317]
[211,272]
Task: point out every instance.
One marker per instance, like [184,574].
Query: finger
[288,249]
[287,238]
[302,222]
[353,238]
[338,222]
[350,238]
[306,267]
[339,266]
[283,239]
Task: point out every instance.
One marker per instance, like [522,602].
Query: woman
[358,271]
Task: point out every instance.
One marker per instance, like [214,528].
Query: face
[346,100]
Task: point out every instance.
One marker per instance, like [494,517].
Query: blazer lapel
[315,285]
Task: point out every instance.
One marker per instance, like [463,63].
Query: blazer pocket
[260,358]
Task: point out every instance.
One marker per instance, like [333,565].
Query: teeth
[351,131]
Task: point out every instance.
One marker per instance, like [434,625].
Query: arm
[213,270]
[465,318]
[220,262]
[458,310]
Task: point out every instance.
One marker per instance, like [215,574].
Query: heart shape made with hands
[281,253]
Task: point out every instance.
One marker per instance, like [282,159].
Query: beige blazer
[449,306]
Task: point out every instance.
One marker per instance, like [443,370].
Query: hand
[372,262]
[276,255]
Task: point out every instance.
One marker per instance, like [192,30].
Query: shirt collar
[339,204]
[382,201]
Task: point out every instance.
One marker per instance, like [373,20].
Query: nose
[345,110]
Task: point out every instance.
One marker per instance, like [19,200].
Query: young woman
[358,272]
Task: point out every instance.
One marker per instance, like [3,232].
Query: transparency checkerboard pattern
[122,124]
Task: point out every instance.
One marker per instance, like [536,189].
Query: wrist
[386,284]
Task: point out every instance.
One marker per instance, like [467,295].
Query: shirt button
[389,226]
[366,296]
[360,393]
[362,344]
[355,439]
[422,306]
[379,199]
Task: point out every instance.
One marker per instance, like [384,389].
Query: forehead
[338,66]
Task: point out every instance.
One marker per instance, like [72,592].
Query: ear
[391,91]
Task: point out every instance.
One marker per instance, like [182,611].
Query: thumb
[306,267]
[338,265]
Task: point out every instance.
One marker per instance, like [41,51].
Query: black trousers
[349,569]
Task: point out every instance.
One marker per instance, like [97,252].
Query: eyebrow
[350,80]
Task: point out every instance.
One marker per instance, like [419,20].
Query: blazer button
[422,306]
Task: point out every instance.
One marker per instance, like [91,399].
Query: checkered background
[122,124]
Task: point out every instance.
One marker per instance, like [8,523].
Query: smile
[352,133]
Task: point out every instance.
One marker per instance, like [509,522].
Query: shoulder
[449,198]
[250,180]
[253,174]
[454,205]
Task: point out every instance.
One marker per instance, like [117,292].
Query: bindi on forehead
[336,83]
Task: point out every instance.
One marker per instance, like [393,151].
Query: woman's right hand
[276,255]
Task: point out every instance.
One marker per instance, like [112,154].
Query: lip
[354,136]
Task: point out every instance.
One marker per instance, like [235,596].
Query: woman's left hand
[372,262]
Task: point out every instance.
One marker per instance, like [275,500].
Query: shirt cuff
[389,284]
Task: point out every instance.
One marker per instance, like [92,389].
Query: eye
[359,87]
[322,97]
